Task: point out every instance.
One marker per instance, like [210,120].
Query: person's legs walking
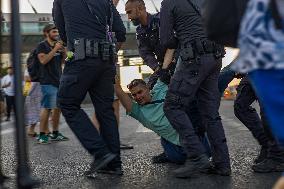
[273,107]
[43,126]
[73,88]
[9,105]
[249,116]
[182,90]
[102,97]
[209,102]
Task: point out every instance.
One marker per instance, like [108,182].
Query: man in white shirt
[8,87]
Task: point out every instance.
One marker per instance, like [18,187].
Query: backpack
[33,66]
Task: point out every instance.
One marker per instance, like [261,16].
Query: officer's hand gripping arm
[164,73]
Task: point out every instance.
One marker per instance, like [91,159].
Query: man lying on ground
[147,107]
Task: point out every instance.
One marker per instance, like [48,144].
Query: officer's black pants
[97,78]
[198,79]
[250,118]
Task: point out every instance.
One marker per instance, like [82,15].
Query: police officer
[147,34]
[196,77]
[152,52]
[271,156]
[87,28]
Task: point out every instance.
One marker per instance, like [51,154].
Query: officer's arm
[148,56]
[168,39]
[168,59]
[59,19]
[118,28]
[125,100]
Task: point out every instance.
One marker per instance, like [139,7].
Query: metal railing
[35,28]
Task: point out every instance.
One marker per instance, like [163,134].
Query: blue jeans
[176,154]
[269,87]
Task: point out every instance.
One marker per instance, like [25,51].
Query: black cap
[48,27]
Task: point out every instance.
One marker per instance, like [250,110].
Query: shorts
[49,96]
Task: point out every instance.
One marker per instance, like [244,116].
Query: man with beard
[51,55]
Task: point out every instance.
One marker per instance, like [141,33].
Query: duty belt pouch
[92,48]
[105,51]
[208,46]
[187,54]
[79,49]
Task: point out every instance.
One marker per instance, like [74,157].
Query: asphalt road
[61,165]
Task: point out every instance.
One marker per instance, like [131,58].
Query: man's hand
[117,80]
[58,46]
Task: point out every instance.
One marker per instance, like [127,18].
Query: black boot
[200,164]
[268,166]
[262,155]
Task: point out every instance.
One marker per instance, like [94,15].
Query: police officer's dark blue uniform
[197,76]
[89,74]
[152,52]
[148,39]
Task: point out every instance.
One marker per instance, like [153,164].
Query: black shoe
[223,171]
[7,119]
[192,166]
[262,155]
[162,158]
[126,147]
[100,163]
[268,166]
[111,170]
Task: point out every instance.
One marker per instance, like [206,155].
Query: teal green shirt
[152,116]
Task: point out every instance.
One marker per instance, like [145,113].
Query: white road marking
[142,129]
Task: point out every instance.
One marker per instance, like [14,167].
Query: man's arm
[5,84]
[168,59]
[45,58]
[125,100]
[59,19]
[148,55]
[168,39]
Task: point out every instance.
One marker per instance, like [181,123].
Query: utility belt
[92,48]
[197,48]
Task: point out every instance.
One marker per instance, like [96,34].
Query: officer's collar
[149,21]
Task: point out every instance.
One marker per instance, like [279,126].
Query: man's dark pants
[10,102]
[97,78]
[198,79]
[250,118]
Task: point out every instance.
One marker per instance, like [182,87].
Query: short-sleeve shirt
[9,91]
[152,115]
[50,73]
